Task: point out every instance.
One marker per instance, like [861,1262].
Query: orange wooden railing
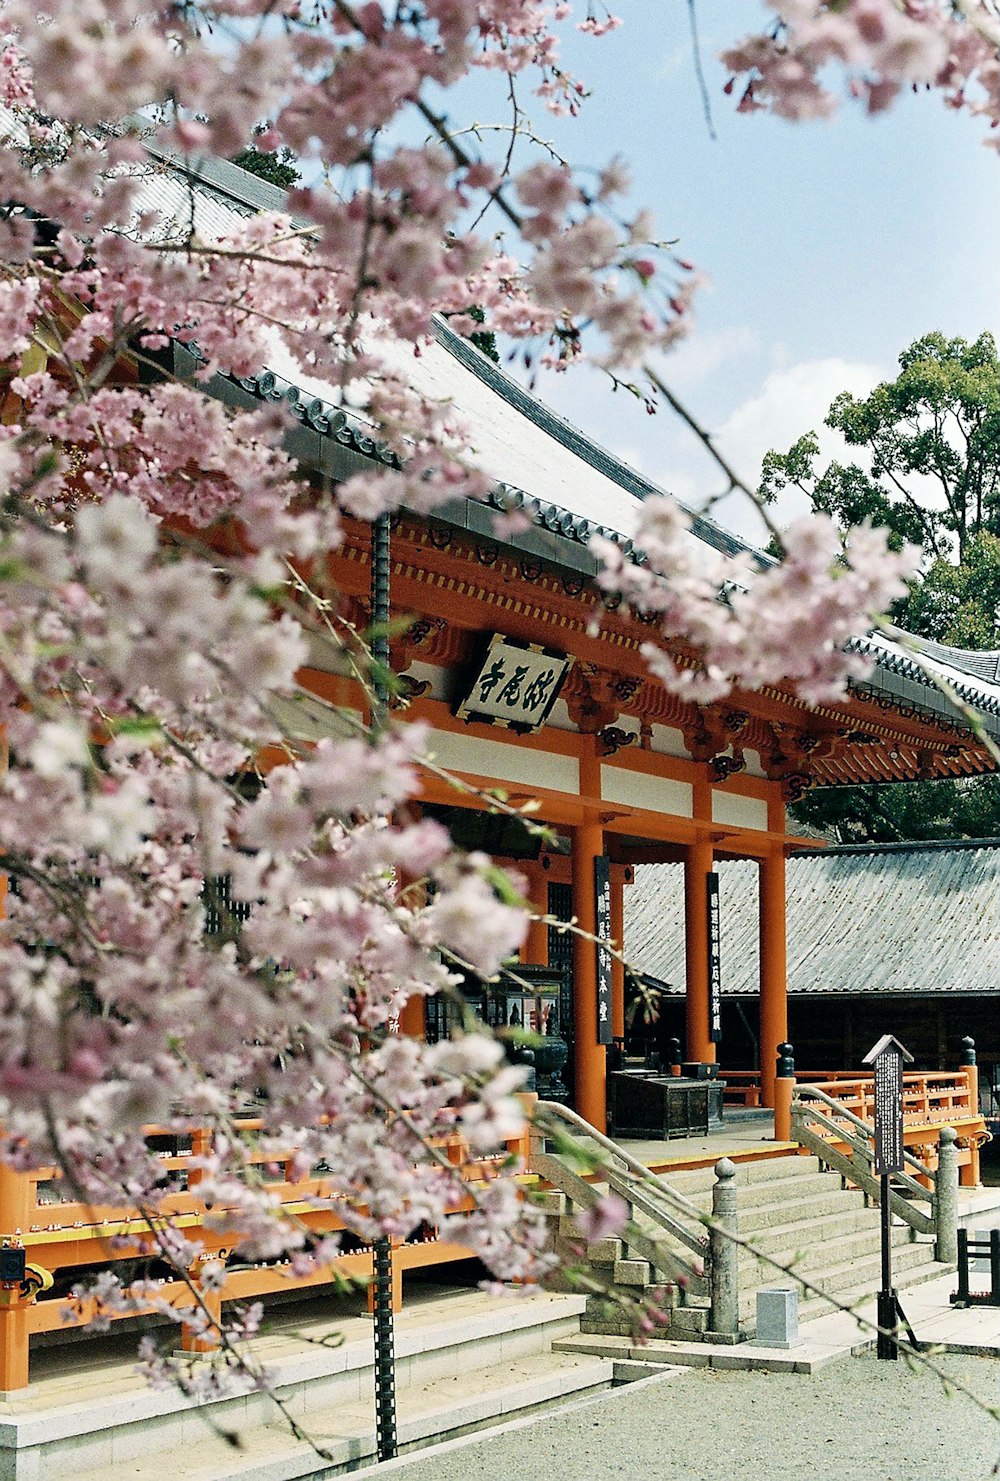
[931,1099]
[63,1238]
[742,1087]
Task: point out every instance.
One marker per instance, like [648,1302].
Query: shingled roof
[920,919]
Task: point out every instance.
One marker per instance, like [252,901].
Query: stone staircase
[791,1210]
[464,1361]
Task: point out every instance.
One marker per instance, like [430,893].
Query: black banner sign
[888,1068]
[602,896]
[714,967]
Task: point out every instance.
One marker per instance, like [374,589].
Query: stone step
[447,1406]
[812,1306]
[669,1354]
[830,1198]
[822,1234]
[748,1174]
[838,1214]
[809,1259]
[770,1192]
[76,1420]
[857,1275]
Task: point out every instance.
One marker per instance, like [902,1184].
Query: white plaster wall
[434,674]
[739,812]
[504,761]
[668,741]
[638,789]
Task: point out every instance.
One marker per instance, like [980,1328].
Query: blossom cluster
[882,46]
[749,625]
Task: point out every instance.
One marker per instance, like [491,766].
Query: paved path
[857,1420]
[827,1410]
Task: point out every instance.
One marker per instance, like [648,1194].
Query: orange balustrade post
[203,1338]
[697,867]
[773,969]
[784,1086]
[13,1341]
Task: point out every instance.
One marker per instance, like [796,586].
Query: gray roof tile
[896,919]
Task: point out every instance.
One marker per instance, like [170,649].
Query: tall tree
[931,476]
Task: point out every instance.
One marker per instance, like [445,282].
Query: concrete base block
[778,1317]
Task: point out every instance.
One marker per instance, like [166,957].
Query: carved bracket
[611,739]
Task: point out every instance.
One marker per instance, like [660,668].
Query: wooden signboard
[516,685]
[714,962]
[886,1058]
[602,897]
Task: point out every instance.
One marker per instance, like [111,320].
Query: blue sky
[828,246]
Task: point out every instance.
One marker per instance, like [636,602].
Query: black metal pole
[887,1315]
[380,621]
[385,1363]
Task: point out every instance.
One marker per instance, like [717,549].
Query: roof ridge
[906,846]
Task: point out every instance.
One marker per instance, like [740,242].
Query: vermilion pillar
[697,867]
[773,969]
[591,1067]
[617,966]
[536,945]
[413,1017]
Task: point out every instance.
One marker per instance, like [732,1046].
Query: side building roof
[913,919]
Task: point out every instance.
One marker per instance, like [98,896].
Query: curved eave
[333,444]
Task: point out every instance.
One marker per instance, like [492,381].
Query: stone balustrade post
[725,1251]
[946,1206]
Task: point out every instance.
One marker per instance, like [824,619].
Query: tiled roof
[900,918]
[571,487]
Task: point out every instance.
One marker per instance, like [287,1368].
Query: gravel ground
[858,1418]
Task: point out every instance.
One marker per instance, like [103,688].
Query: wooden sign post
[886,1058]
[602,892]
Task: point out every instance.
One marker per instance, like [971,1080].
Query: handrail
[693,1280]
[813,1092]
[860,1171]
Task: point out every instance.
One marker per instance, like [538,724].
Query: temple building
[550,745]
[534,687]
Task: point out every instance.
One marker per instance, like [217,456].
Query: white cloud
[704,352]
[791,401]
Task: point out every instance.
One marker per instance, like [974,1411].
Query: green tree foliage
[277,166]
[931,474]
[904,810]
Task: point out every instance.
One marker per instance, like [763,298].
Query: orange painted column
[589,1056]
[413,1017]
[618,877]
[536,945]
[773,957]
[697,866]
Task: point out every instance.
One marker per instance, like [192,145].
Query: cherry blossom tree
[147,639]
